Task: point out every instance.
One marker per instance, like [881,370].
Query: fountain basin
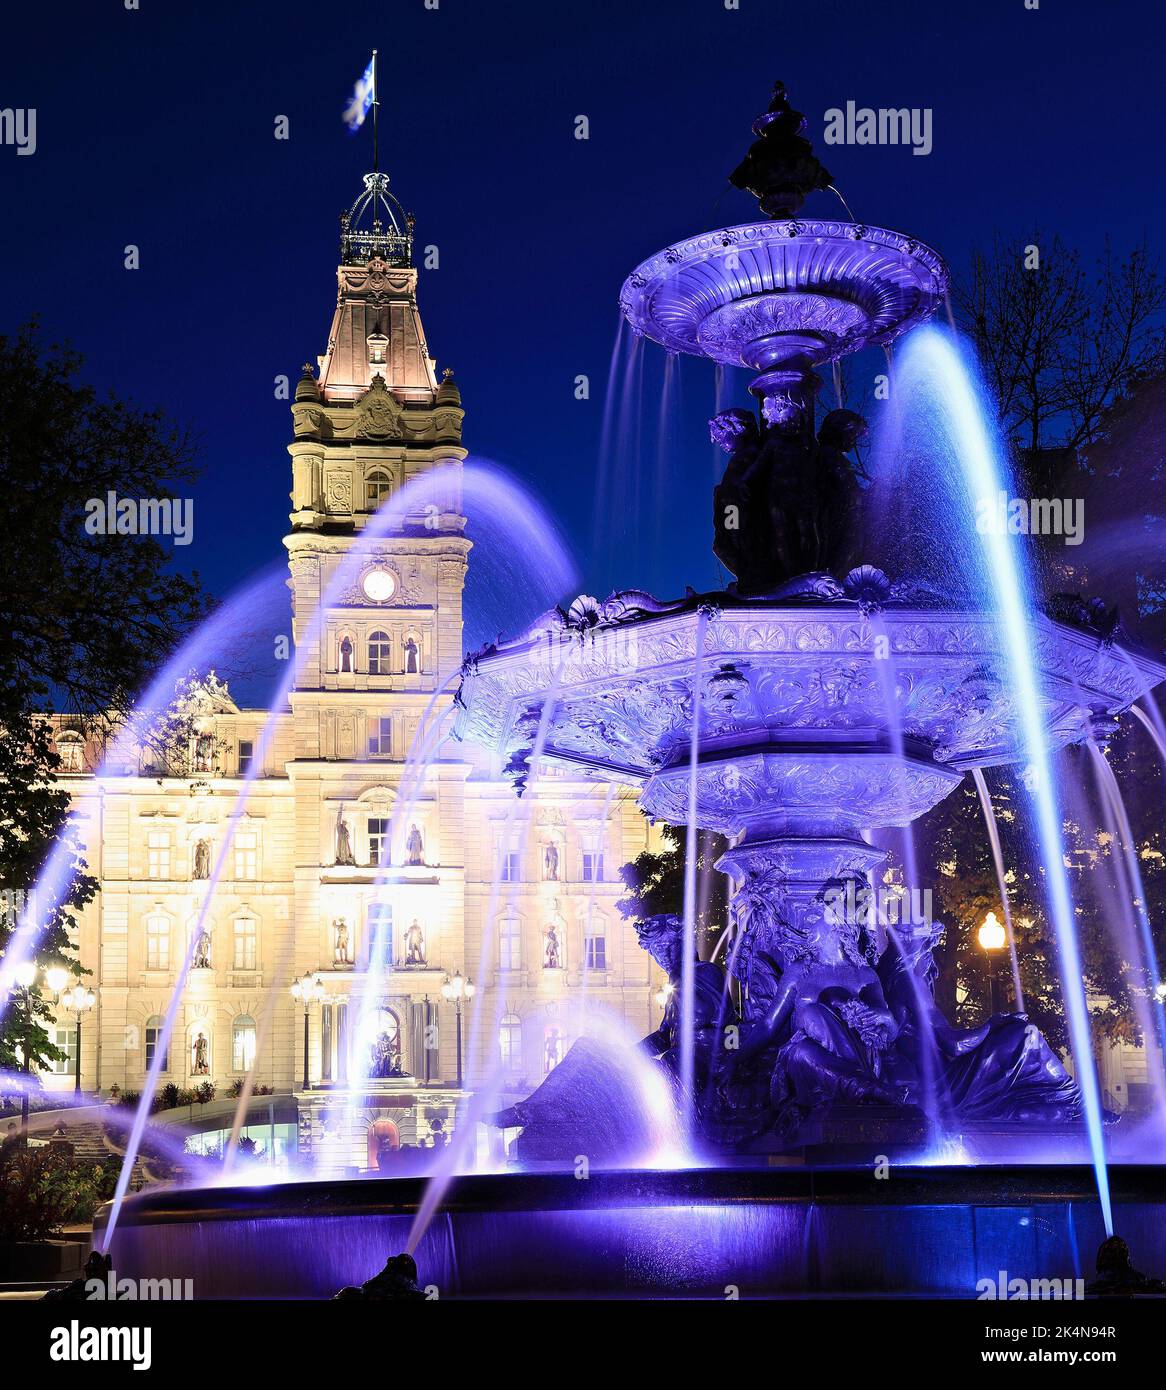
[752,295]
[781,1231]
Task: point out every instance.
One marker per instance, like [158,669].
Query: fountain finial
[780,169]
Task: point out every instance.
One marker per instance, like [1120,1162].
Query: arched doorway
[384,1139]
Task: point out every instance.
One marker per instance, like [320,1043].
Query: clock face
[378,585]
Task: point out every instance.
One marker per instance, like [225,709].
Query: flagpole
[376,168]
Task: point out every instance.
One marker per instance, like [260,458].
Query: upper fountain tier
[784,295]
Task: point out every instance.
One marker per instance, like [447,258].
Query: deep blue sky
[156,128]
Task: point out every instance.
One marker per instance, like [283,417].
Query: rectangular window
[153,1042]
[246,854]
[157,943]
[510,944]
[593,868]
[510,870]
[66,1040]
[596,953]
[380,738]
[245,952]
[158,854]
[246,753]
[380,935]
[378,840]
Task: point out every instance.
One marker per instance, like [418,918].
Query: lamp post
[308,991]
[79,1000]
[457,990]
[992,938]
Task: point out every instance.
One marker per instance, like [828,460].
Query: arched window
[510,943]
[246,944]
[378,654]
[157,942]
[378,486]
[71,751]
[243,1043]
[510,1041]
[154,1027]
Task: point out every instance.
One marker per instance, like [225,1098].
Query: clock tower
[389,571]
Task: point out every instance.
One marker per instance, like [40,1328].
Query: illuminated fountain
[813,703]
[763,712]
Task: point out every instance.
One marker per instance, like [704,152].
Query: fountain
[813,703]
[765,708]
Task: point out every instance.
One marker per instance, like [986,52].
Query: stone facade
[297,893]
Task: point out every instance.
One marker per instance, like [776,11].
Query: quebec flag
[363,96]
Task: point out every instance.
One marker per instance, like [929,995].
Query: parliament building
[316,877]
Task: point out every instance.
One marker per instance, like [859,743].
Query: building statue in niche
[340,944]
[202,951]
[204,753]
[414,847]
[551,949]
[551,862]
[415,944]
[70,752]
[551,1051]
[200,1058]
[344,853]
[202,859]
[412,662]
[346,654]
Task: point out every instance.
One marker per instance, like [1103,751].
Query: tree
[1060,346]
[655,884]
[85,619]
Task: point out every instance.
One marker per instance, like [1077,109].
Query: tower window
[378,486]
[378,654]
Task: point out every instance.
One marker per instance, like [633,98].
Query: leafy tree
[85,619]
[655,884]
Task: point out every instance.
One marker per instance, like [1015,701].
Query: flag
[363,96]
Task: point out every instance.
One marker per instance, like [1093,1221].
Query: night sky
[156,128]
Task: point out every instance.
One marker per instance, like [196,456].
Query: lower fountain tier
[774,1231]
[817,717]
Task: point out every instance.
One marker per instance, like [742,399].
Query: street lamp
[308,990]
[79,1000]
[457,990]
[992,938]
